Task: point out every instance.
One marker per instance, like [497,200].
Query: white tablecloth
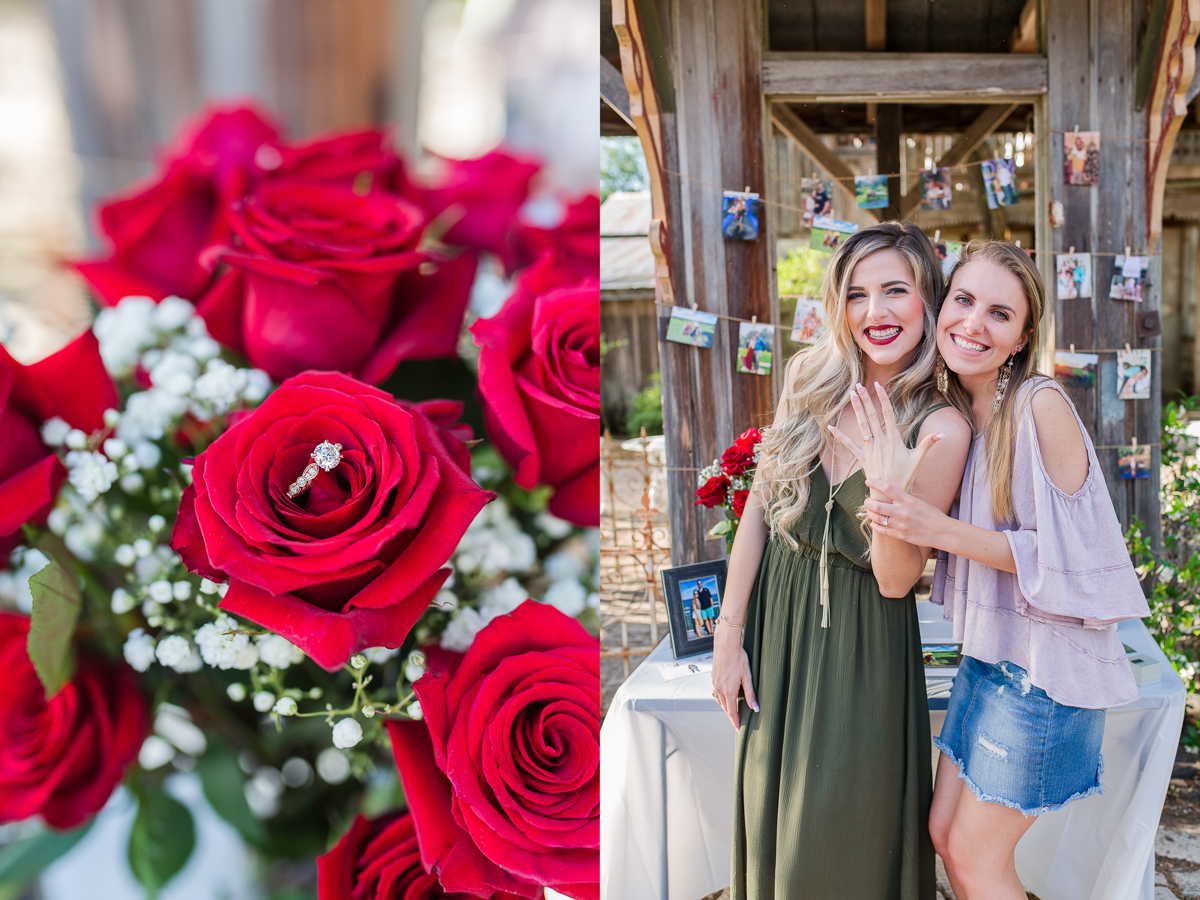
[666,787]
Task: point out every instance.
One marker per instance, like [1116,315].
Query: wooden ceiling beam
[876,20]
[810,142]
[613,90]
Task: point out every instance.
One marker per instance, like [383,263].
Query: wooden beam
[892,77]
[613,91]
[887,153]
[988,121]
[876,16]
[810,142]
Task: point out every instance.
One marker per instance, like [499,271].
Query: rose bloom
[158,228]
[502,776]
[576,238]
[352,561]
[360,159]
[379,859]
[713,492]
[63,757]
[71,384]
[321,277]
[738,502]
[539,378]
[740,456]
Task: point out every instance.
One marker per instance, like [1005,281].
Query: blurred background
[91,89]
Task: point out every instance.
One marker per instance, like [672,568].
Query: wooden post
[887,153]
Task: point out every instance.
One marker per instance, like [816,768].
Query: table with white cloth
[667,768]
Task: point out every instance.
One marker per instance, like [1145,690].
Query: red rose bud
[713,492]
[539,378]
[750,438]
[739,502]
[736,460]
[158,228]
[71,384]
[64,756]
[353,560]
[502,776]
[379,859]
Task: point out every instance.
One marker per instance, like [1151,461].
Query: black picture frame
[688,637]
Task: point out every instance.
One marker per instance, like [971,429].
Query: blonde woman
[1033,572]
[818,627]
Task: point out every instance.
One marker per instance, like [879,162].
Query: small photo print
[1081,157]
[828,233]
[754,348]
[1075,369]
[1073,275]
[701,606]
[940,656]
[1134,462]
[871,191]
[1133,374]
[818,199]
[948,252]
[739,216]
[1129,278]
[808,323]
[999,181]
[936,190]
[694,595]
[688,327]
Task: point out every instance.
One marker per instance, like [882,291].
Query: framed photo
[739,216]
[694,595]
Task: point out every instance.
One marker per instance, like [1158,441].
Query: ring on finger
[869,437]
[885,521]
[715,695]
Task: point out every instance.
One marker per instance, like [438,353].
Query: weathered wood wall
[629,319]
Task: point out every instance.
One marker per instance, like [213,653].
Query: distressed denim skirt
[1015,746]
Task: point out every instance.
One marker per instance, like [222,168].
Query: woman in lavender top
[1033,572]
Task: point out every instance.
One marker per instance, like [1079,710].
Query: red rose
[713,492]
[71,384]
[63,757]
[354,560]
[740,457]
[539,377]
[487,193]
[576,239]
[344,158]
[379,859]
[325,278]
[502,778]
[739,502]
[158,228]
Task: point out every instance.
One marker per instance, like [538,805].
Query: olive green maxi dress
[833,780]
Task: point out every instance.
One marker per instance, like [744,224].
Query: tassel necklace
[828,516]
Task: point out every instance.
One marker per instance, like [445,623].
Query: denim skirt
[1015,746]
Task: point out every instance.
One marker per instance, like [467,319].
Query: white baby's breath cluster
[708,472]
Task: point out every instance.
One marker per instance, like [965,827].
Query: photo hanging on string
[1133,374]
[1129,278]
[818,199]
[1000,182]
[808,323]
[691,327]
[936,190]
[948,252]
[1081,157]
[828,233]
[871,191]
[755,341]
[1073,276]
[739,215]
[1134,462]
[1075,369]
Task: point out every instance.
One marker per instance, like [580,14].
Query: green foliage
[26,858]
[161,841]
[801,271]
[1173,576]
[622,166]
[224,787]
[645,409]
[56,606]
[607,345]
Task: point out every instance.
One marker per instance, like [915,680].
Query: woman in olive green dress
[833,752]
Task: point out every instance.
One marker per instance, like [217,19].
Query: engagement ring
[326,456]
[885,521]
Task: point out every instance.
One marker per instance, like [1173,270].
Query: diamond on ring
[886,519]
[325,456]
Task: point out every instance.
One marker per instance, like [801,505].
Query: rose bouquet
[726,483]
[250,528]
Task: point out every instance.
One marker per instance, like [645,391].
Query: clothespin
[1127,251]
[1135,443]
[754,320]
[1072,250]
[1018,243]
[1072,348]
[694,305]
[1076,129]
[937,235]
[1128,349]
[746,190]
[816,177]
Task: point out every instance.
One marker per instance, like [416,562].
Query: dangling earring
[940,377]
[1002,386]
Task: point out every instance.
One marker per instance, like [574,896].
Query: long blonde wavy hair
[818,380]
[1002,431]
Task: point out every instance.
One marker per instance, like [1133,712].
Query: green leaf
[25,859]
[161,840]
[224,782]
[720,528]
[56,606]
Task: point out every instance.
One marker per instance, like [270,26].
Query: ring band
[325,456]
[715,695]
[868,437]
[886,519]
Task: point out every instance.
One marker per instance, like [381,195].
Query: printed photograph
[1075,369]
[1134,462]
[818,199]
[701,605]
[739,217]
[1073,276]
[1081,157]
[936,189]
[948,252]
[693,595]
[754,348]
[691,327]
[871,191]
[1133,374]
[828,233]
[808,323]
[941,656]
[1129,278]
[999,181]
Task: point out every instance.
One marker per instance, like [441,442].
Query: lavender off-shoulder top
[1057,616]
